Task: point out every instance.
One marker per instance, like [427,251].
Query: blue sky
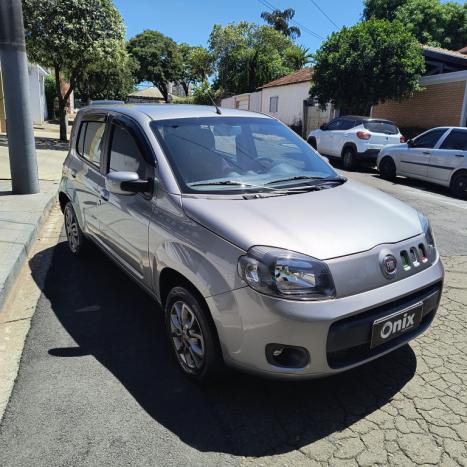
[192,20]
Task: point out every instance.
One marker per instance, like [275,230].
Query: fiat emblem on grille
[389,266]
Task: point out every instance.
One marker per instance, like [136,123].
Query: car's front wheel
[192,336]
[76,239]
[459,185]
[387,169]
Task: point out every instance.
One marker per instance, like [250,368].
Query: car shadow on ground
[50,144]
[110,318]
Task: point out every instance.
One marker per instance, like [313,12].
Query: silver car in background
[261,256]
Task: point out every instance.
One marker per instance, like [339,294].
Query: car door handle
[459,155]
[73,173]
[104,194]
[426,152]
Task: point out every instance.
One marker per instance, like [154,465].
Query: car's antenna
[218,111]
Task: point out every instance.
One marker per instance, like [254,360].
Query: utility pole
[21,145]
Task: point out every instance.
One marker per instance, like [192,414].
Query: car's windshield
[376,126]
[231,154]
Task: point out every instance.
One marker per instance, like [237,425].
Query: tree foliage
[280,19]
[435,23]
[381,9]
[430,21]
[158,58]
[371,62]
[69,36]
[248,55]
[196,65]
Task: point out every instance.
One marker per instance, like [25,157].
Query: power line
[324,13]
[301,26]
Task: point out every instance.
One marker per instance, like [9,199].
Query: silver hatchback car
[261,256]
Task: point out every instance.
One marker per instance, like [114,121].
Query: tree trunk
[164,91]
[185,87]
[63,119]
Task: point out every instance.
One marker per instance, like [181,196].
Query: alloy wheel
[72,229]
[187,337]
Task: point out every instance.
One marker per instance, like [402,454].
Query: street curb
[23,256]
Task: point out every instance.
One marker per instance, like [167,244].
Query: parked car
[353,139]
[261,256]
[438,155]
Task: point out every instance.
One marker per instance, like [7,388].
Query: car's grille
[349,339]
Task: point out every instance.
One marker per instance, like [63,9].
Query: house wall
[37,94]
[290,103]
[442,102]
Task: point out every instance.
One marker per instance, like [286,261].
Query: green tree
[360,66]
[248,56]
[196,65]
[280,19]
[381,9]
[435,23]
[158,58]
[112,81]
[69,36]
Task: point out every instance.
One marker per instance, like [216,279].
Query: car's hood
[324,224]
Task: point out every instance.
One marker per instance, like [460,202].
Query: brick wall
[437,105]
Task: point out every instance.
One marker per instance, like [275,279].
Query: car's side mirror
[410,143]
[323,127]
[126,183]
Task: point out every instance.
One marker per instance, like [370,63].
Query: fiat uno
[261,256]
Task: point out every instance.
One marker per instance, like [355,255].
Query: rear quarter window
[387,128]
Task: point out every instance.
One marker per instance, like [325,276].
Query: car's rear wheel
[387,169]
[349,159]
[76,239]
[458,185]
[312,143]
[192,336]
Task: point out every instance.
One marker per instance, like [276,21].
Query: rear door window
[387,128]
[90,140]
[429,139]
[456,140]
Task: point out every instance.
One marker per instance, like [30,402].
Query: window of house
[273,104]
[456,140]
[90,141]
[124,153]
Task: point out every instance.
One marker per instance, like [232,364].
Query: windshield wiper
[305,177]
[223,182]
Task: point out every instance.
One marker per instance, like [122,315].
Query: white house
[37,75]
[284,99]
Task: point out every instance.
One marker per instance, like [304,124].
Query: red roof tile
[299,76]
[452,53]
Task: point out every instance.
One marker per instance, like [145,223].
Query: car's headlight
[286,274]
[430,239]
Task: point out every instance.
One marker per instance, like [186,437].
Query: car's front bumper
[336,333]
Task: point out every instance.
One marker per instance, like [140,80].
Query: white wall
[37,94]
[290,104]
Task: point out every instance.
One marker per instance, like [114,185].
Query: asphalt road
[98,385]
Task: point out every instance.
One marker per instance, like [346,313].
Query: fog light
[287,356]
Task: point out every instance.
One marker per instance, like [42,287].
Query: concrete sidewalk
[21,216]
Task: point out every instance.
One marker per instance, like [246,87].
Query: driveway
[98,385]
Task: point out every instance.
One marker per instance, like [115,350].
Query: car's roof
[169,111]
[366,119]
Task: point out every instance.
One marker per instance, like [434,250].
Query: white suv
[353,138]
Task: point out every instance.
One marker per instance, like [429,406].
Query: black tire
[458,186]
[77,242]
[349,159]
[387,169]
[195,347]
[312,143]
